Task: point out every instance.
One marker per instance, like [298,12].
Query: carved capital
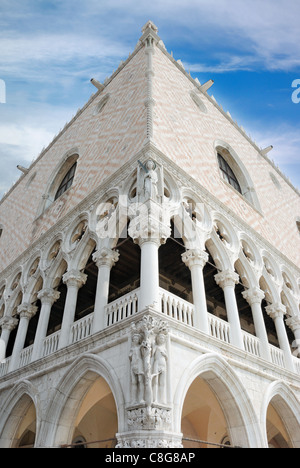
[194,257]
[48,296]
[106,257]
[153,418]
[74,278]
[150,224]
[27,311]
[253,296]
[227,278]
[8,323]
[276,310]
[293,323]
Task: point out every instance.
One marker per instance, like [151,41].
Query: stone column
[149,277]
[150,228]
[196,259]
[254,296]
[277,312]
[227,280]
[26,312]
[105,259]
[74,280]
[47,297]
[294,324]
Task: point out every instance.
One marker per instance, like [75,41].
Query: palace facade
[149,276]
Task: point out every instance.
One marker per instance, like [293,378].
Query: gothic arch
[232,395]
[240,171]
[57,175]
[70,391]
[287,406]
[13,410]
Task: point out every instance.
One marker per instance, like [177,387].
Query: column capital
[48,296]
[27,310]
[106,257]
[194,257]
[276,310]
[150,223]
[227,278]
[253,295]
[293,323]
[8,323]
[74,278]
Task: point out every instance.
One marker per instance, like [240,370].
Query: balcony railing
[171,306]
[122,308]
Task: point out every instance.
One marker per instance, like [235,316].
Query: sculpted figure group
[148,359]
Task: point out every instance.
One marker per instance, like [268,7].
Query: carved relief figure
[160,357]
[150,181]
[148,358]
[150,184]
[137,370]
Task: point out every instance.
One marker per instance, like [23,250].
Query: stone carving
[149,442]
[150,419]
[149,182]
[137,369]
[148,357]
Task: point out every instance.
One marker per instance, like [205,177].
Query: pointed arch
[282,398]
[63,410]
[232,395]
[245,182]
[13,410]
[56,178]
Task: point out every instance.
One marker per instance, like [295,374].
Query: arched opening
[214,293]
[96,423]
[57,310]
[125,275]
[24,417]
[85,407]
[203,419]
[87,293]
[276,431]
[174,276]
[14,332]
[280,414]
[215,405]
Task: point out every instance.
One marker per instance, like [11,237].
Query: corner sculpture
[148,368]
[148,357]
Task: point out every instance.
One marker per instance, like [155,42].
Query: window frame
[67,181]
[248,191]
[228,174]
[57,179]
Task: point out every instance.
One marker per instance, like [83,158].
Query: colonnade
[150,232]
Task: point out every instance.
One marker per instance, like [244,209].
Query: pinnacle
[149,25]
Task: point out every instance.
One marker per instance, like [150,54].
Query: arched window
[234,172]
[228,173]
[61,179]
[66,182]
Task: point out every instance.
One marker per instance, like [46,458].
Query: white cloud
[30,140]
[285,140]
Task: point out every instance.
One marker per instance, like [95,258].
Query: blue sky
[49,50]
